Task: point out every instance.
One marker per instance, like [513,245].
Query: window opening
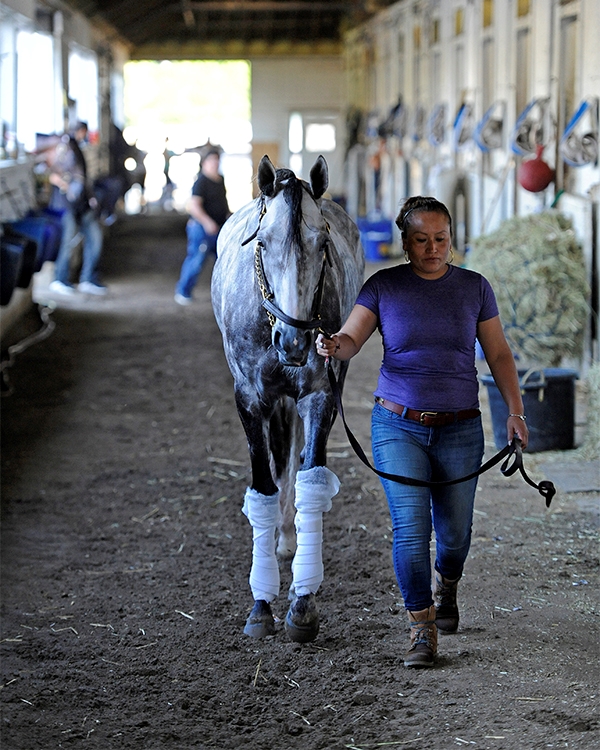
[567,88]
[459,21]
[35,87]
[83,88]
[488,13]
[320,137]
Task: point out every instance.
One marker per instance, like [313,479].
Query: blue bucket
[376,238]
[11,262]
[549,402]
[45,230]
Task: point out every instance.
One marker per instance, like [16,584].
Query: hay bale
[537,270]
[591,444]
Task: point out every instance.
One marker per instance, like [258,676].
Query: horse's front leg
[315,487]
[261,507]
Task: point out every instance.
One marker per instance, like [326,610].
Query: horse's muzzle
[292,345]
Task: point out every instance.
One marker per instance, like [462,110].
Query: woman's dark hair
[420,203]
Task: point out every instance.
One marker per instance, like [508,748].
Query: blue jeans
[401,446]
[92,246]
[199,244]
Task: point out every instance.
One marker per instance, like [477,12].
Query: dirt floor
[125,559]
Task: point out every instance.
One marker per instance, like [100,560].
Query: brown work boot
[446,608]
[423,639]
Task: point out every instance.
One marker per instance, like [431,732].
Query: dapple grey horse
[288,264]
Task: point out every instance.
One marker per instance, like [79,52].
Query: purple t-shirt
[428,328]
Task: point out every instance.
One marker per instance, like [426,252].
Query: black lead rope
[514,450]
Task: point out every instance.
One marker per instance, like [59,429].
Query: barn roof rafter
[183,26]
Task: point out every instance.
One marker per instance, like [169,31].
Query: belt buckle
[425,414]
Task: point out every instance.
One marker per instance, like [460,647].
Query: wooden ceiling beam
[234,49]
[154,22]
[277,6]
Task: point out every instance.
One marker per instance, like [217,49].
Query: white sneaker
[181,300]
[88,287]
[58,287]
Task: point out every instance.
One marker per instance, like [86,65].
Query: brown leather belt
[428,418]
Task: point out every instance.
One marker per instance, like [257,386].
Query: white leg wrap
[263,512]
[314,490]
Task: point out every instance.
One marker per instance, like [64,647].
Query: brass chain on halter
[258,269]
[273,312]
[262,284]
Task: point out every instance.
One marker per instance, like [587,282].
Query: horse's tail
[286,439]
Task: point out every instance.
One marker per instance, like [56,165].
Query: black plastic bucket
[549,402]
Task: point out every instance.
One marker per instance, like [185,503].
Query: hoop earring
[406,258]
[451,259]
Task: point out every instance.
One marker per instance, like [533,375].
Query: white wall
[301,84]
[25,7]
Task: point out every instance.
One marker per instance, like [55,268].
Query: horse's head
[292,252]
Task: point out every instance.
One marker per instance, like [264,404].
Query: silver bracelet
[520,416]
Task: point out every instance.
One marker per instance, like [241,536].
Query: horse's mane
[292,188]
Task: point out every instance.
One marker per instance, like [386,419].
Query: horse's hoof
[286,548]
[302,619]
[260,622]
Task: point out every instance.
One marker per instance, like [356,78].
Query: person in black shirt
[208,209]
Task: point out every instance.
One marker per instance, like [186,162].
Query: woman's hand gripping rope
[327,345]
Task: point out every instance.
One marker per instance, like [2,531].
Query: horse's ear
[319,177]
[266,176]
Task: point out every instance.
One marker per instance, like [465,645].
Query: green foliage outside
[537,270]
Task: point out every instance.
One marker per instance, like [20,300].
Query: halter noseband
[273,312]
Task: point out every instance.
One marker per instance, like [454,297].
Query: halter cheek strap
[263,211]
[273,312]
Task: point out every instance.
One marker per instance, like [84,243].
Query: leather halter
[274,313]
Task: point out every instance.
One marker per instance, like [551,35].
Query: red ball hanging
[534,174]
